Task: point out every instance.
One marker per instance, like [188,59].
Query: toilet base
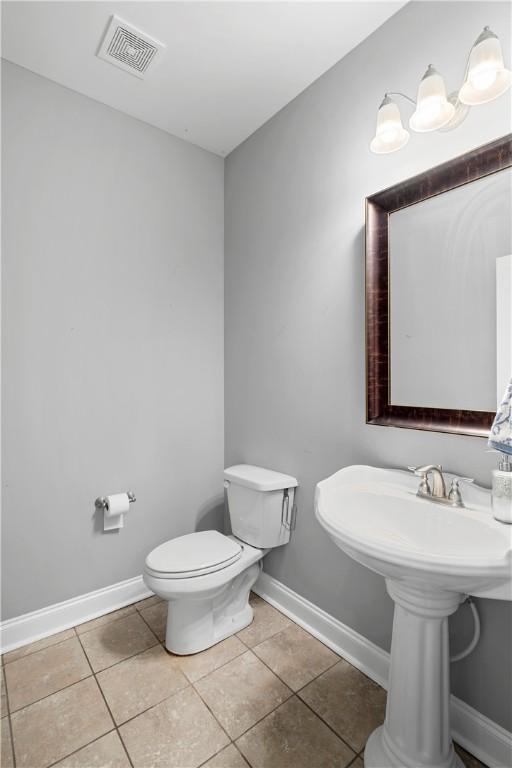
[202,641]
[196,623]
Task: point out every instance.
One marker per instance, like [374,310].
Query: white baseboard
[488,741]
[55,618]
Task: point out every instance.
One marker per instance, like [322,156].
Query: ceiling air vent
[127,47]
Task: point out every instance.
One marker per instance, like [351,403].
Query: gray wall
[113,339]
[294,293]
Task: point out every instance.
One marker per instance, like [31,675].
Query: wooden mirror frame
[474,165]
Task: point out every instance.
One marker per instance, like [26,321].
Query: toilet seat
[195,554]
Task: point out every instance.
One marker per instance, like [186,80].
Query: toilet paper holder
[101,501]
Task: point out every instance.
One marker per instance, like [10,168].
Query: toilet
[206,577]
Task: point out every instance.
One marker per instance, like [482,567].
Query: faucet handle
[455,495]
[424,487]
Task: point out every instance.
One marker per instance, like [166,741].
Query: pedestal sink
[431,557]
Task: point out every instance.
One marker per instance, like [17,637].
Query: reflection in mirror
[442,294]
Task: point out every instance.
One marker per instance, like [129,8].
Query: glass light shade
[390,134]
[487,77]
[433,110]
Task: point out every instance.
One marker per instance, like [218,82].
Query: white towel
[500,437]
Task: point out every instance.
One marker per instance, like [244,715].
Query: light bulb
[482,79]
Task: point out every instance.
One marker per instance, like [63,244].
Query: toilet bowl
[206,577]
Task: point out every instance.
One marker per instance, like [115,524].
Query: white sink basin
[431,556]
[375,516]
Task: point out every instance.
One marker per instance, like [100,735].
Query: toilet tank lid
[258,478]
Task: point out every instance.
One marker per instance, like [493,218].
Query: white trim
[486,740]
[55,618]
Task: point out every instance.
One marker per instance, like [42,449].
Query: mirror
[432,247]
[442,262]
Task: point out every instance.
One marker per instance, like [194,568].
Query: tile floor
[106,694]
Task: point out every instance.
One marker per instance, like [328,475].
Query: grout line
[296,693]
[39,650]
[106,623]
[329,726]
[157,642]
[9,722]
[47,696]
[192,682]
[79,748]
[267,714]
[152,706]
[149,626]
[231,744]
[106,704]
[213,715]
[124,746]
[116,663]
[145,607]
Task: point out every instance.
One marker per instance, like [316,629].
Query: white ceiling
[228,66]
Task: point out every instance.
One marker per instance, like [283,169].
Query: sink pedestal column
[416,732]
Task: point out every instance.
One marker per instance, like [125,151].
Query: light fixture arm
[399,93]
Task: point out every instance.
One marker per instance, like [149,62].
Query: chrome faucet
[437,491]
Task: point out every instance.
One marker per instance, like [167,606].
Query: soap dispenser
[502,490]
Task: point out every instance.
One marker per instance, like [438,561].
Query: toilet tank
[260,503]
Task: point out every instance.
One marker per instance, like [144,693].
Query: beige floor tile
[3,695]
[117,641]
[25,650]
[350,702]
[178,733]
[200,664]
[54,727]
[230,757]
[106,752]
[140,682]
[156,617]
[242,692]
[106,619]
[6,755]
[40,674]
[148,602]
[468,760]
[358,763]
[293,737]
[267,622]
[295,656]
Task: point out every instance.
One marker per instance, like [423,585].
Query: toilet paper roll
[117,506]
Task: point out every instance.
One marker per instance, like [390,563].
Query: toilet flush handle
[285,510]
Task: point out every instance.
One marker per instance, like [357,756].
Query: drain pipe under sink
[476,633]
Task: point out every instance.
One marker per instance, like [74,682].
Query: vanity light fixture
[485,79]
